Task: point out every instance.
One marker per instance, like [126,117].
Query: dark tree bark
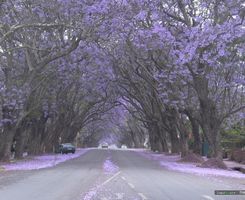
[175,143]
[6,142]
[21,138]
[197,146]
[209,117]
[7,134]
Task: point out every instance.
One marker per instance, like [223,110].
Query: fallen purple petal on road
[109,167]
[90,194]
[170,162]
[44,161]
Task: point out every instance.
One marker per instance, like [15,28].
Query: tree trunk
[209,116]
[159,142]
[211,128]
[154,141]
[37,135]
[175,143]
[7,140]
[19,148]
[164,139]
[184,145]
[21,141]
[183,132]
[197,147]
[7,133]
[7,149]
[34,147]
[214,141]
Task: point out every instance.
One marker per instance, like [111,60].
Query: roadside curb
[2,169]
[40,162]
[171,163]
[235,166]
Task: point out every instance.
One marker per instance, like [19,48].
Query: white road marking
[208,197]
[131,185]
[119,195]
[94,190]
[143,197]
[108,180]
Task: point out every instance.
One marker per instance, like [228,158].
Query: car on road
[124,146]
[66,148]
[113,146]
[104,146]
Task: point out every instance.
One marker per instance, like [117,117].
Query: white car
[104,145]
[113,146]
[124,146]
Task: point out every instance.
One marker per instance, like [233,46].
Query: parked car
[66,148]
[124,146]
[113,146]
[104,145]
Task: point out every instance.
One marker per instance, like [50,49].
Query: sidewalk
[40,162]
[171,162]
[235,165]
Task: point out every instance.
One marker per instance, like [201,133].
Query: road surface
[135,178]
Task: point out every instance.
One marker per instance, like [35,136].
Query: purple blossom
[171,162]
[90,194]
[6,121]
[109,167]
[142,15]
[44,161]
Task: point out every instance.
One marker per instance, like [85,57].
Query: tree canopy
[173,70]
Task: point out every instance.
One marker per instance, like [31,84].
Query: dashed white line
[120,195]
[131,185]
[103,198]
[143,197]
[107,181]
[208,197]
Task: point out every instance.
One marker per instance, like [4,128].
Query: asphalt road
[137,178]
